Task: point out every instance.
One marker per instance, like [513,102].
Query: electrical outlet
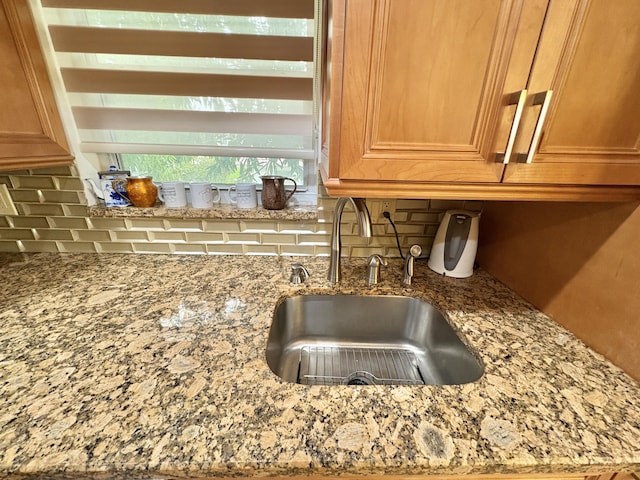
[388,206]
[7,206]
[378,206]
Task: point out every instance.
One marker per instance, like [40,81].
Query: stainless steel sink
[365,340]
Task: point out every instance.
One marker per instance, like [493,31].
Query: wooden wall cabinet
[31,132]
[426,98]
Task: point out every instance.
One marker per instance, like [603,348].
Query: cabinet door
[31,132]
[589,56]
[424,84]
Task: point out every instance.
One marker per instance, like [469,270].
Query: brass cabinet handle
[544,99]
[518,99]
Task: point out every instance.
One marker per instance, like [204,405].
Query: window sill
[297,212]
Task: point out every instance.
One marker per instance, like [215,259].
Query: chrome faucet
[364,222]
[374,262]
[298,274]
[414,252]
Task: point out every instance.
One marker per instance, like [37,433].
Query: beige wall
[53,218]
[579,263]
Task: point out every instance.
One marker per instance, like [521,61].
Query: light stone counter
[298,212]
[129,366]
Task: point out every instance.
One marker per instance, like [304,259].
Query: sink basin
[366,340]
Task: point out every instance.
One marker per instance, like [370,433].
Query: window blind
[189,77]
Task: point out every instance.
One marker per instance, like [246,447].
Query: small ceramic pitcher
[274,196]
[141,190]
[105,191]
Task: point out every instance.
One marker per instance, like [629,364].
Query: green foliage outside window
[219,170]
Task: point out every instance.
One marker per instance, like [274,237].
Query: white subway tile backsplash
[53,216]
[40,246]
[224,249]
[431,230]
[300,250]
[187,248]
[93,235]
[185,225]
[70,183]
[400,216]
[33,182]
[77,247]
[152,248]
[323,251]
[179,237]
[114,247]
[447,204]
[410,229]
[364,251]
[49,209]
[407,204]
[30,196]
[297,228]
[30,222]
[312,240]
[242,238]
[221,226]
[205,237]
[76,223]
[55,234]
[9,246]
[134,236]
[423,217]
[271,250]
[60,196]
[424,242]
[74,210]
[258,226]
[17,234]
[147,224]
[278,239]
[106,223]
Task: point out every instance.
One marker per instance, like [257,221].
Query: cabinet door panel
[592,133]
[431,100]
[430,71]
[31,133]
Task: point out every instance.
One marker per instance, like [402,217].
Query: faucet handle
[298,274]
[373,268]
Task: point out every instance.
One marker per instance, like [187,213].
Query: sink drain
[360,378]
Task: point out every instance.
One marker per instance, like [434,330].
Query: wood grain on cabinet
[418,86]
[31,132]
[419,99]
[589,56]
[578,263]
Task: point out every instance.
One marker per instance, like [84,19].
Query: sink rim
[452,360]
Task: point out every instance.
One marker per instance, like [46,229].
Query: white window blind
[218,90]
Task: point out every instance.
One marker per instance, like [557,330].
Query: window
[207,90]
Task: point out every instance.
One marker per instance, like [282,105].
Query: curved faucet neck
[364,224]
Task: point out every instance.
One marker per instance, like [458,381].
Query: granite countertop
[296,212]
[115,366]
